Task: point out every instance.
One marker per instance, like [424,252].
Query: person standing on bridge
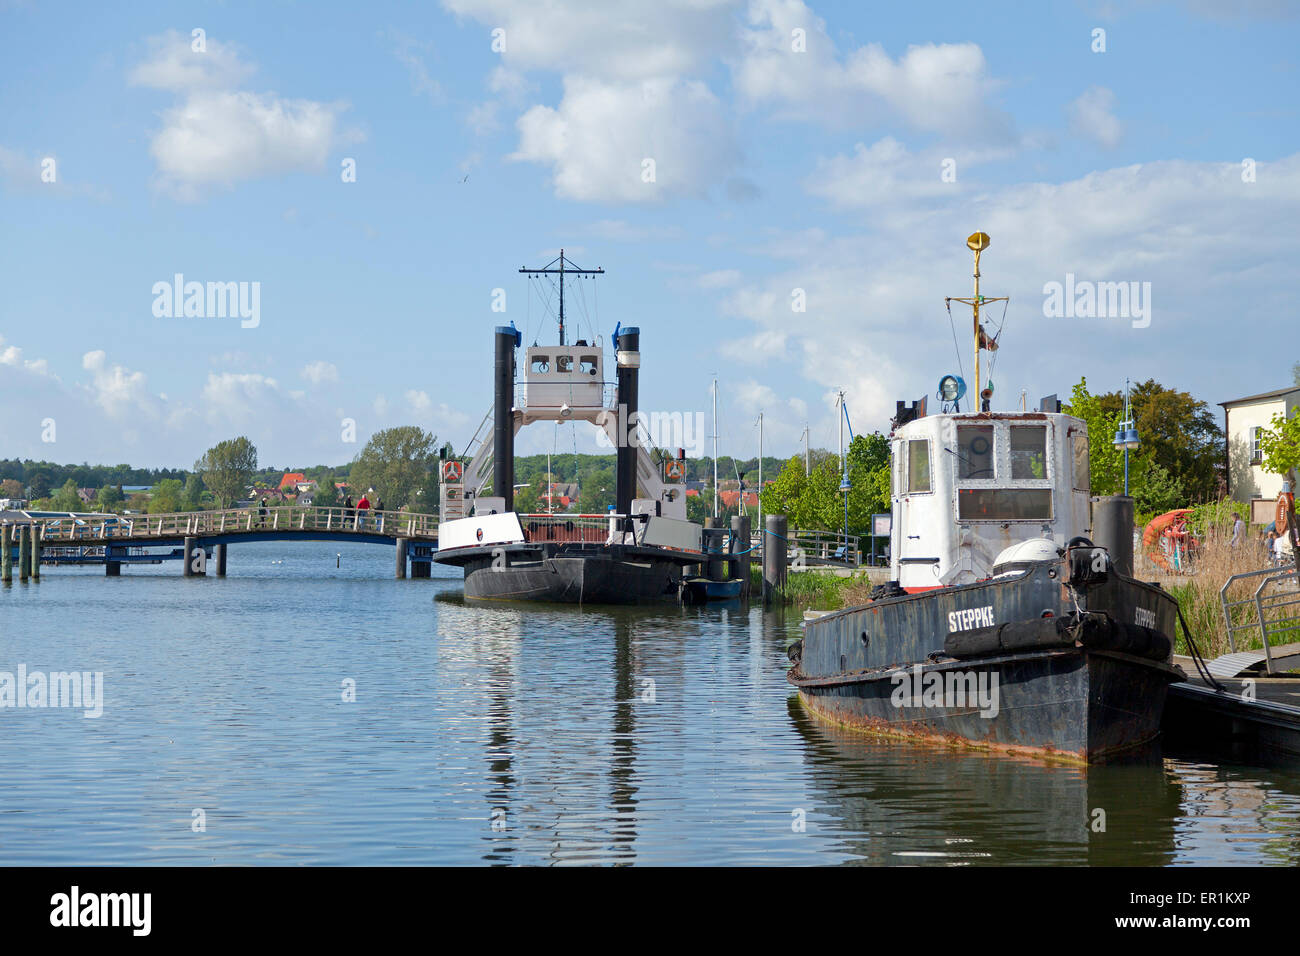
[348,512]
[261,513]
[362,506]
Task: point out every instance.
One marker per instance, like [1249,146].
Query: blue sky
[775,169]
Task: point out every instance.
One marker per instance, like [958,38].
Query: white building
[1243,421]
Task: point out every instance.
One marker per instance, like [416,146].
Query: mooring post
[112,569]
[401,558]
[6,553]
[189,559]
[740,562]
[774,557]
[1112,529]
[23,558]
[219,556]
[36,553]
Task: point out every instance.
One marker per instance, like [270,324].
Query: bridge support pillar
[23,559]
[219,556]
[740,543]
[421,569]
[401,558]
[112,569]
[189,559]
[774,558]
[6,553]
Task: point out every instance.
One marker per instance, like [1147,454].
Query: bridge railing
[240,520]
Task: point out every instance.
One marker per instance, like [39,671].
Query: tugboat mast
[572,270]
[977,243]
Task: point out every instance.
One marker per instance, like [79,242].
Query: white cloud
[941,87]
[410,53]
[599,138]
[319,372]
[241,398]
[218,135]
[419,401]
[120,392]
[621,40]
[1092,116]
[12,356]
[876,322]
[718,279]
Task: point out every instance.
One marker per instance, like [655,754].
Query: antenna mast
[551,268]
[977,243]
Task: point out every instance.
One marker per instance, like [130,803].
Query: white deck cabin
[967,486]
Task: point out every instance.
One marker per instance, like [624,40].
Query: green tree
[110,497]
[596,491]
[396,462]
[226,469]
[1159,492]
[1179,433]
[39,483]
[192,496]
[1280,444]
[326,495]
[11,488]
[168,496]
[67,498]
[1105,461]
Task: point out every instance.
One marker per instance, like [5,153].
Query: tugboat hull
[1073,704]
[1019,663]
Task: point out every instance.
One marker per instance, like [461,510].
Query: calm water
[517,735]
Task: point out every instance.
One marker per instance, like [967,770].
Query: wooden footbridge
[204,536]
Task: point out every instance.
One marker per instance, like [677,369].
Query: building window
[1256,453]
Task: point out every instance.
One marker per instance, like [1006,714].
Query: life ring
[452,470]
[675,470]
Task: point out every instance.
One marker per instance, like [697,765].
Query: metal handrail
[1227,605]
[241,521]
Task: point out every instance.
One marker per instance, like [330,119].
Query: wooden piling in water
[23,559]
[219,556]
[35,532]
[774,558]
[189,559]
[741,556]
[400,571]
[6,553]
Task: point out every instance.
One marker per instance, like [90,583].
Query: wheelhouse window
[1028,451]
[587,365]
[564,363]
[899,466]
[918,465]
[541,364]
[1082,477]
[1004,504]
[974,451]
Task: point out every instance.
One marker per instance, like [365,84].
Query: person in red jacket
[362,506]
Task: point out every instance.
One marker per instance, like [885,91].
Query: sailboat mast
[977,243]
[715,446]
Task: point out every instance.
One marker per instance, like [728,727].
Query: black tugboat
[1003,626]
[635,554]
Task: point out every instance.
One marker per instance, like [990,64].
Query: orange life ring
[452,471]
[675,470]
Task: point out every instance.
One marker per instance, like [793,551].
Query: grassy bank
[817,590]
